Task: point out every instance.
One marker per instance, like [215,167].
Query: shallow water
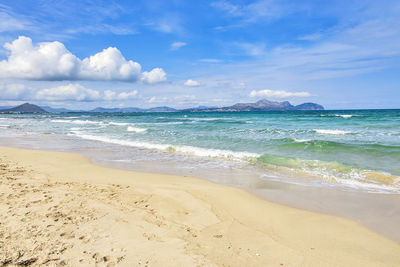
[356,150]
[380,212]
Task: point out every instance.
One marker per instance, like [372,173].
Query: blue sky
[84,54]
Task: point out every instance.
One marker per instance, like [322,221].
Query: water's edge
[379,212]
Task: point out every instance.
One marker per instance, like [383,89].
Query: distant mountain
[57,110]
[25,108]
[121,110]
[309,106]
[161,109]
[262,105]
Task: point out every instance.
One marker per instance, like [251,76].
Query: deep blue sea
[358,149]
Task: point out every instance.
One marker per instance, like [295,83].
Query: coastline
[378,212]
[112,216]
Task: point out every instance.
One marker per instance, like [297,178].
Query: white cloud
[52,61]
[69,92]
[156,75]
[111,95]
[172,100]
[191,83]
[158,99]
[177,45]
[127,95]
[109,64]
[77,92]
[278,94]
[13,91]
[10,23]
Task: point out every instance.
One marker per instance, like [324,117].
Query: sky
[85,54]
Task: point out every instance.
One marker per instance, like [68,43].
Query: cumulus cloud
[69,92]
[177,45]
[156,75]
[53,61]
[111,95]
[278,94]
[191,83]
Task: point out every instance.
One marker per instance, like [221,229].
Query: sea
[350,150]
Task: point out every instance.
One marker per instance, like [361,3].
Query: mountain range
[261,105]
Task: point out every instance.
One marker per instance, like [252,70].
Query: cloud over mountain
[69,92]
[53,61]
[278,94]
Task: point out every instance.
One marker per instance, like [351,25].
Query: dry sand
[60,209]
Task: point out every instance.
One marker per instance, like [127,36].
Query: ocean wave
[81,122]
[187,150]
[346,116]
[329,147]
[207,119]
[136,130]
[4,126]
[333,132]
[301,140]
[118,123]
[166,123]
[334,173]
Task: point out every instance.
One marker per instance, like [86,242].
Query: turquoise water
[358,148]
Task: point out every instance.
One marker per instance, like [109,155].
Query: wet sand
[378,212]
[61,209]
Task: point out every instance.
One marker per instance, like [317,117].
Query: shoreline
[378,212]
[170,219]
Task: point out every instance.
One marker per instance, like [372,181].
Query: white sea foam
[189,150]
[119,123]
[301,140]
[346,184]
[334,132]
[4,126]
[345,116]
[170,122]
[82,122]
[135,129]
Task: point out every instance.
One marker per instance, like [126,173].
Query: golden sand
[60,209]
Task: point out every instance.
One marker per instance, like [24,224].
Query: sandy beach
[61,209]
